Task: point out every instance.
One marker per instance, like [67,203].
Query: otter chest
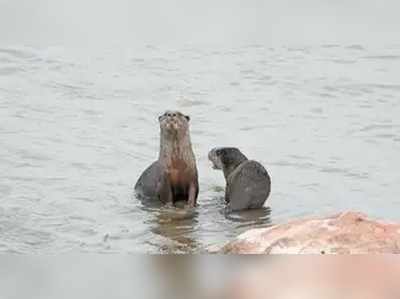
[178,172]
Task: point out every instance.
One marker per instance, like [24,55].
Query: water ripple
[80,129]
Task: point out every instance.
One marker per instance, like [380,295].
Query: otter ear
[160,117]
[187,117]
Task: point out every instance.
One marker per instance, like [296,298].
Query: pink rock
[345,233]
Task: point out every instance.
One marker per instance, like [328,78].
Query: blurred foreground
[300,278]
[200,277]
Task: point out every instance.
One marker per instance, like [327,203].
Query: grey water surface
[78,127]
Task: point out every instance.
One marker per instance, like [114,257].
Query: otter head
[226,159]
[174,122]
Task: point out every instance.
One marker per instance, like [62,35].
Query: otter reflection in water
[248,183]
[173,229]
[173,177]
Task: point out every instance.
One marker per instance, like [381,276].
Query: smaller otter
[173,177]
[248,184]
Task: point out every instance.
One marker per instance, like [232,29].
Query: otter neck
[228,169]
[175,147]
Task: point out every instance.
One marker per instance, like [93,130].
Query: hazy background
[90,22]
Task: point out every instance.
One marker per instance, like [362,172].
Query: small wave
[344,172]
[343,61]
[395,87]
[383,57]
[10,70]
[302,50]
[251,216]
[248,72]
[5,60]
[190,103]
[305,165]
[5,190]
[17,53]
[326,169]
[385,136]
[317,110]
[298,157]
[355,47]
[359,89]
[329,46]
[375,127]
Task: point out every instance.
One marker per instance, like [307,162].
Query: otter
[173,178]
[248,183]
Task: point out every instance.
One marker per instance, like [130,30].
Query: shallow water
[78,127]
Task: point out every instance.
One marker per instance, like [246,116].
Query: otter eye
[173,114]
[187,117]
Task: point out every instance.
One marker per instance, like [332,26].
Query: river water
[79,126]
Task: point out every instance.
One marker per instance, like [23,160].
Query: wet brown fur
[179,178]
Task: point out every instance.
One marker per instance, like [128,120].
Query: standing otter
[173,177]
[248,184]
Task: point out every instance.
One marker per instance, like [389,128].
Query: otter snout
[215,158]
[173,121]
